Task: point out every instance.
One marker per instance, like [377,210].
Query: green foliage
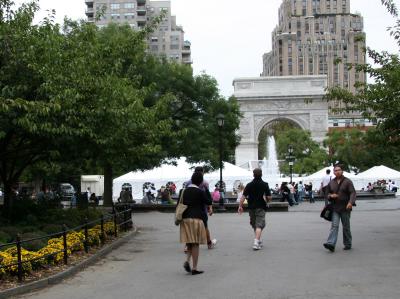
[309,156]
[35,244]
[274,128]
[347,147]
[80,98]
[359,150]
[4,237]
[51,228]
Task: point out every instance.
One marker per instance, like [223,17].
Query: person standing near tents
[324,185]
[258,194]
[342,194]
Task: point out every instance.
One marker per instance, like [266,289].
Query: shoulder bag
[180,208]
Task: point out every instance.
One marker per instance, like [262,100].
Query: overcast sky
[229,37]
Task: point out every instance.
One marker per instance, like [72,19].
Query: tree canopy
[95,97]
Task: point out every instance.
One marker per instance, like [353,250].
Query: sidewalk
[293,263]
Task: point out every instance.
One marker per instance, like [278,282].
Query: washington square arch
[263,100]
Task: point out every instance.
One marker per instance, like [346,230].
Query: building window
[129,5]
[335,122]
[347,123]
[115,16]
[129,15]
[115,6]
[174,47]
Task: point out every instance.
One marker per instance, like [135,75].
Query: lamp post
[290,158]
[220,122]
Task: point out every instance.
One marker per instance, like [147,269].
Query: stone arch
[301,123]
[299,99]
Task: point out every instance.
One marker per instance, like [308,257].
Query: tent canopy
[321,173]
[380,172]
[179,173]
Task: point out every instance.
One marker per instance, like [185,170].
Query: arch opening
[273,128]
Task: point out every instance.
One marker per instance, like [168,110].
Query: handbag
[327,212]
[180,208]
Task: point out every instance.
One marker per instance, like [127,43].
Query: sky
[229,37]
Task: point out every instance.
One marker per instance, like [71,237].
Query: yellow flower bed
[51,254]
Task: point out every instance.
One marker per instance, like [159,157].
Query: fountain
[270,166]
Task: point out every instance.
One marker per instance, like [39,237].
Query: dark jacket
[345,191]
[195,199]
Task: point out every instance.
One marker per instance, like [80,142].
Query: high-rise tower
[311,37]
[167,39]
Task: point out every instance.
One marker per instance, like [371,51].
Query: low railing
[122,220]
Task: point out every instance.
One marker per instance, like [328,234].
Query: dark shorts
[257,218]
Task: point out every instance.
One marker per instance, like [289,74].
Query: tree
[29,123]
[378,100]
[93,94]
[359,150]
[309,156]
[347,147]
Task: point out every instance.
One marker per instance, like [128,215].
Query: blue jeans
[311,196]
[300,196]
[333,234]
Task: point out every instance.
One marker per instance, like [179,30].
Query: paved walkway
[293,263]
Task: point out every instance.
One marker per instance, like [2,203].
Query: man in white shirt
[325,182]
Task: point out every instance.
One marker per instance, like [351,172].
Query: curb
[57,278]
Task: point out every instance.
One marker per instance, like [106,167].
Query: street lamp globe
[220,120]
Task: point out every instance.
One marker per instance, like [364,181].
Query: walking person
[258,194]
[204,186]
[300,190]
[309,192]
[324,185]
[192,229]
[342,194]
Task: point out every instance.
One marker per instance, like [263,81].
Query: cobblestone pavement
[292,264]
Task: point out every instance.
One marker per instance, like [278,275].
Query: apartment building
[311,37]
[167,40]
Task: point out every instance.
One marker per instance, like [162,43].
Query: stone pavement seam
[59,277]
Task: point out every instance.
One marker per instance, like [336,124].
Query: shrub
[4,237]
[52,252]
[12,231]
[50,229]
[36,244]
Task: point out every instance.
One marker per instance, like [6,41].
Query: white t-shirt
[326,180]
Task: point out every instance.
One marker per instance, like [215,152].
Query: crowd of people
[382,185]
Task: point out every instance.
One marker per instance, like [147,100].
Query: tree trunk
[108,185]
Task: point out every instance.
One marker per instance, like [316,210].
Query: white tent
[321,173]
[178,174]
[374,174]
[379,172]
[316,178]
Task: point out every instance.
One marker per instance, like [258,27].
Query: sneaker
[260,243]
[256,245]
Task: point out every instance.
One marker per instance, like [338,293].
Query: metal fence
[122,220]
